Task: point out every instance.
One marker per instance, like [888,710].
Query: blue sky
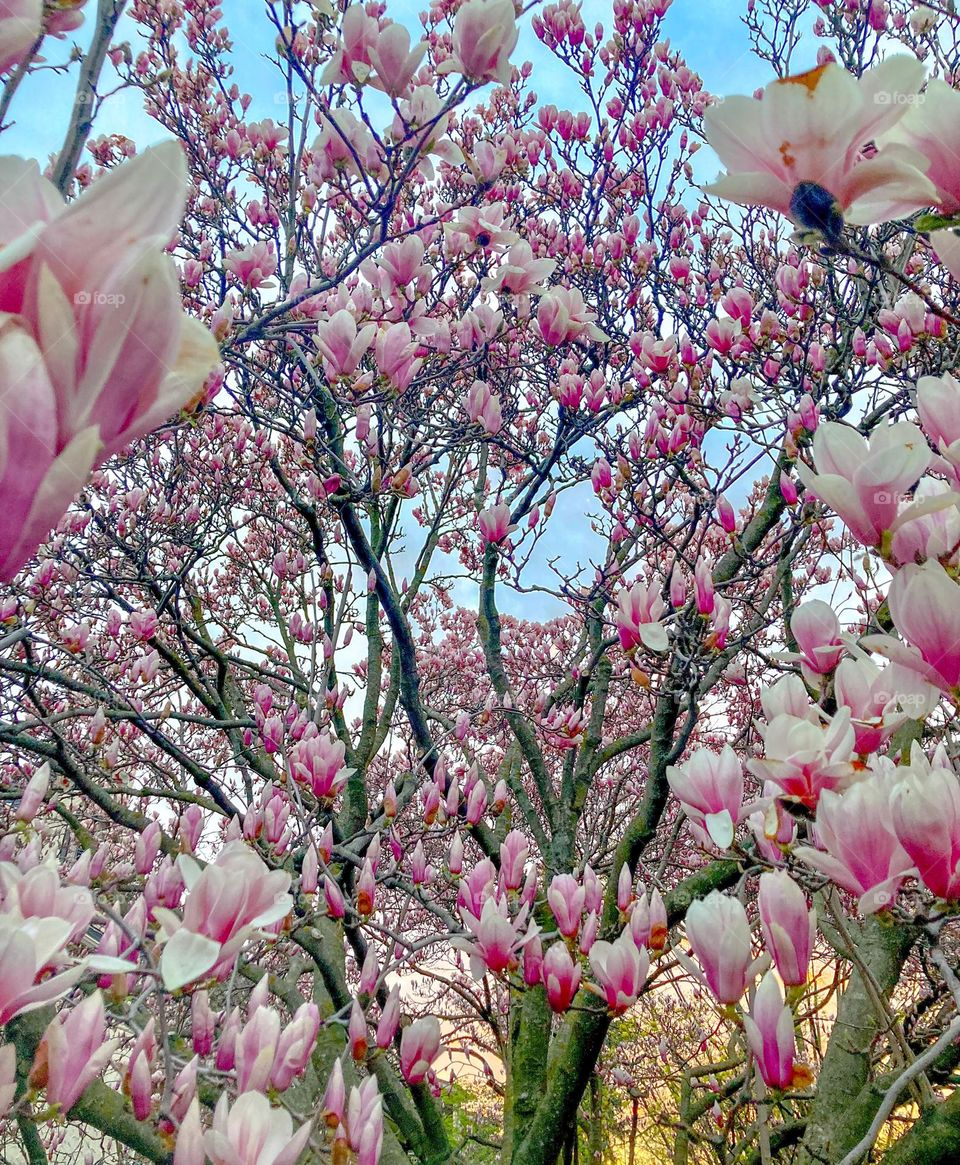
[709,33]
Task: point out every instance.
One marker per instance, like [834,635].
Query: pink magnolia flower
[865,483]
[802,757]
[620,969]
[396,357]
[251,1132]
[495,939]
[34,792]
[938,404]
[137,1080]
[639,610]
[566,898]
[295,1046]
[343,146]
[924,604]
[703,586]
[946,244]
[520,273]
[863,853]
[873,697]
[189,1148]
[719,934]
[419,1047]
[494,523]
[483,408]
[925,810]
[393,61]
[484,227]
[561,977]
[769,1030]
[88,279]
[514,852]
[562,316]
[789,925]
[28,947]
[931,128]
[709,786]
[21,22]
[253,266]
[485,33]
[932,525]
[351,61]
[38,893]
[389,1019]
[364,1123]
[816,629]
[317,761]
[64,17]
[226,902]
[799,150]
[255,1050]
[342,345]
[203,1023]
[74,1052]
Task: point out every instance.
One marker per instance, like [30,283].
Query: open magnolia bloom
[800,150]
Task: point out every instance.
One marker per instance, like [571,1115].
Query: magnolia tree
[481,622]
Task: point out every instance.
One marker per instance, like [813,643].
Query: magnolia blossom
[562,316]
[769,1030]
[494,523]
[74,1052]
[932,528]
[639,610]
[561,977]
[38,893]
[865,483]
[226,903]
[566,899]
[719,934]
[802,757]
[485,33]
[924,604]
[252,1132]
[483,407]
[317,761]
[789,926]
[95,350]
[419,1047]
[863,853]
[496,939]
[873,697]
[799,150]
[20,25]
[938,405]
[816,629]
[931,127]
[28,948]
[620,969]
[925,810]
[709,786]
[946,244]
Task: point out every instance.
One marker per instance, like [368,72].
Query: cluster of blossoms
[442,316]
